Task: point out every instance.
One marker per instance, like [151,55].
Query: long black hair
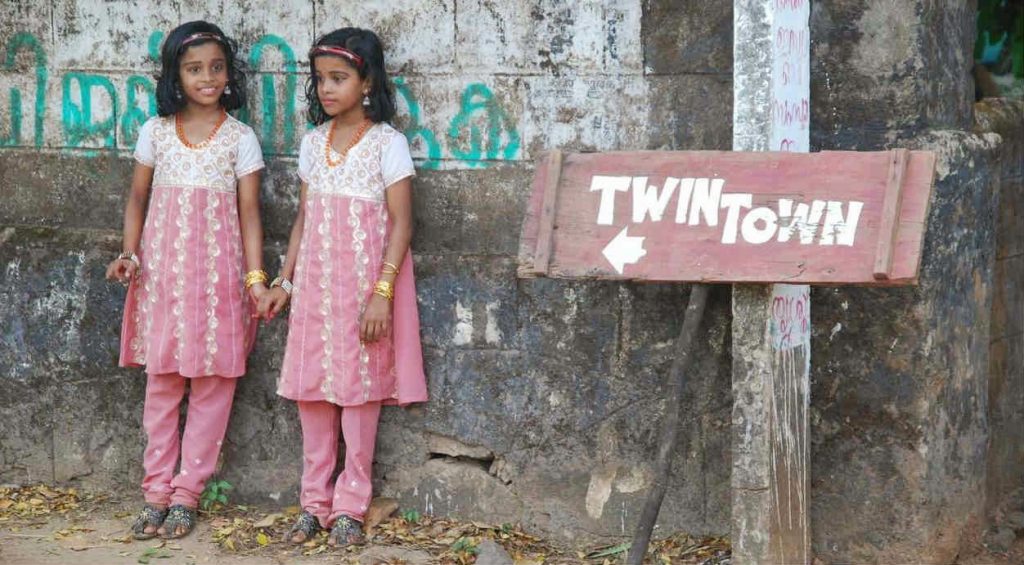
[169,98]
[367,45]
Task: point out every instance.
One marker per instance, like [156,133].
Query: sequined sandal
[178,515]
[307,525]
[148,516]
[346,531]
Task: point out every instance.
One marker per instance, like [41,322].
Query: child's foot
[306,526]
[346,531]
[149,519]
[179,522]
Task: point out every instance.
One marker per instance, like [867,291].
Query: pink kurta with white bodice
[340,257]
[188,312]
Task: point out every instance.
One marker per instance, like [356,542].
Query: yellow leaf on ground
[268,520]
[262,539]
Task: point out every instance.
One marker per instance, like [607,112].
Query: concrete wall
[901,419]
[1006,384]
[546,394]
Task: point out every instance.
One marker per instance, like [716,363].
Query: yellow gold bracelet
[385,289]
[393,271]
[254,277]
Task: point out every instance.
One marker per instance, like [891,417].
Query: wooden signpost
[835,217]
[829,218]
[769,218]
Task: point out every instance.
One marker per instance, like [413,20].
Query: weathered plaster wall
[902,420]
[545,394]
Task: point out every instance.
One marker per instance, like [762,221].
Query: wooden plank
[528,235]
[546,225]
[651,226]
[887,232]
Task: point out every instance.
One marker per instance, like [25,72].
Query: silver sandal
[148,516]
[178,515]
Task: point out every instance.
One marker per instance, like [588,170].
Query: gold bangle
[394,268]
[254,277]
[384,289]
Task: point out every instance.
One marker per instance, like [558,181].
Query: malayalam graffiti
[101,111]
[25,42]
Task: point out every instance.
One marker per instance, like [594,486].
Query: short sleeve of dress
[145,150]
[396,162]
[250,155]
[305,158]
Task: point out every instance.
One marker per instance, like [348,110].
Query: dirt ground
[42,525]
[49,525]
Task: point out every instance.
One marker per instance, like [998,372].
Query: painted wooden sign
[833,218]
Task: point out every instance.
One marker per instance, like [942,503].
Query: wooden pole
[771,324]
[670,424]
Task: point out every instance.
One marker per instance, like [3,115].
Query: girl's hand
[376,322]
[122,270]
[271,302]
[257,291]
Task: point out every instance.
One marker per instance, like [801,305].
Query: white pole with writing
[771,324]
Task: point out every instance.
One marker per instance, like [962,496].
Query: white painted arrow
[624,250]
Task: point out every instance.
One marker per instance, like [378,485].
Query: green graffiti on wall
[78,120]
[18,42]
[269,104]
[134,116]
[92,113]
[415,130]
[466,137]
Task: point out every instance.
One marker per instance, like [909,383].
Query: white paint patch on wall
[462,333]
[599,490]
[637,479]
[492,333]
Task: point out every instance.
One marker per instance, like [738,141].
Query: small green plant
[214,495]
[464,545]
[412,516]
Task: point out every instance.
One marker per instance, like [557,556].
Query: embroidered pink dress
[340,257]
[188,312]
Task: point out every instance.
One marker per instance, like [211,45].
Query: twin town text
[703,202]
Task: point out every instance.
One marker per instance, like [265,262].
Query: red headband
[202,36]
[337,51]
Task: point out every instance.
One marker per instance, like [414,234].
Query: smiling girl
[189,267]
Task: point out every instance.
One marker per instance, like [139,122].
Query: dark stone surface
[899,385]
[552,388]
[884,69]
[678,41]
[1005,481]
[560,382]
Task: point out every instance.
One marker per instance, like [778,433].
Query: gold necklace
[184,140]
[352,142]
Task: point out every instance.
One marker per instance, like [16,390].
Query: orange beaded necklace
[184,140]
[352,142]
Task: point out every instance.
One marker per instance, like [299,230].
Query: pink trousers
[351,493]
[209,405]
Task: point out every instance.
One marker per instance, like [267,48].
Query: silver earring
[366,99]
[227,89]
[177,94]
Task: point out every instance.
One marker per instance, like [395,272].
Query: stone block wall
[546,395]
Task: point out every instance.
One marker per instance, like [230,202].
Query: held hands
[256,292]
[122,270]
[271,303]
